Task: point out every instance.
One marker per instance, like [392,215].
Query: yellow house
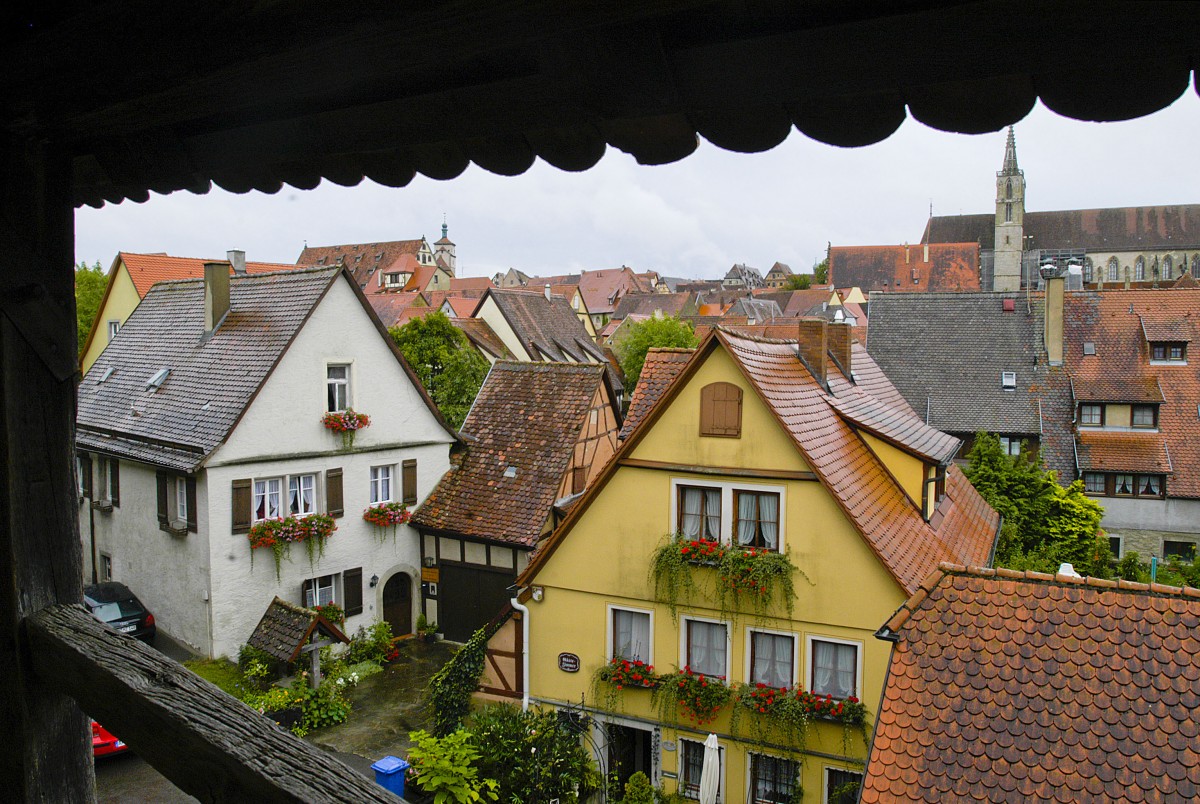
[802,449]
[129,278]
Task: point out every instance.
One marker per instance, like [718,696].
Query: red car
[104,743]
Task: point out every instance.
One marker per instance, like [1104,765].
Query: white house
[204,416]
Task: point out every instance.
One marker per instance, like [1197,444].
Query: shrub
[533,755]
[327,705]
[638,790]
[444,767]
[372,644]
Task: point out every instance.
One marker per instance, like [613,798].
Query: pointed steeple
[444,228]
[1010,156]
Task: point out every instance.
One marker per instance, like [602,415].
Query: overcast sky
[693,218]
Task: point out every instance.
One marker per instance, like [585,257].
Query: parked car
[104,743]
[114,605]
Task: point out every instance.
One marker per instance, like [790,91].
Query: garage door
[470,596]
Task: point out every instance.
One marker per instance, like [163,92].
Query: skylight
[157,380]
[1089,347]
[1008,379]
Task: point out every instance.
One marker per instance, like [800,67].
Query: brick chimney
[841,345]
[813,343]
[216,295]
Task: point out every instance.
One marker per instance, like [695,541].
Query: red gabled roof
[471,284]
[365,260]
[951,267]
[148,269]
[390,307]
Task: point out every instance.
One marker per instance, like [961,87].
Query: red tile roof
[603,289]
[661,368]
[147,269]
[527,416]
[1009,686]
[951,267]
[390,307]
[475,285]
[1124,452]
[365,260]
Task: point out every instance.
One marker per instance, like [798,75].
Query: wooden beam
[46,754]
[208,744]
[724,471]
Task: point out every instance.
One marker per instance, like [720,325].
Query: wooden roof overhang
[160,97]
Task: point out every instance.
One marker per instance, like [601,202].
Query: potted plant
[426,631]
[345,423]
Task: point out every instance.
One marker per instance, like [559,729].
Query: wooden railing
[209,744]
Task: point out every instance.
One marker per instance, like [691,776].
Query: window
[1139,269]
[1088,270]
[630,635]
[772,659]
[1008,379]
[841,786]
[268,499]
[1149,486]
[1184,550]
[1114,268]
[1168,265]
[337,385]
[1010,446]
[83,468]
[1114,546]
[706,647]
[691,766]
[381,484]
[834,668]
[578,479]
[1008,213]
[1091,415]
[699,513]
[318,591]
[114,327]
[1123,485]
[105,567]
[1165,350]
[302,495]
[1089,347]
[721,410]
[408,481]
[181,499]
[108,484]
[757,523]
[1093,483]
[1145,415]
[772,779]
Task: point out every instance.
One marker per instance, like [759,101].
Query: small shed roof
[286,628]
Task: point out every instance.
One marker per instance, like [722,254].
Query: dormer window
[1008,380]
[1168,351]
[1145,416]
[1091,415]
[392,280]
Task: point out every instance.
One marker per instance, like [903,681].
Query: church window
[1087,269]
[1196,265]
[1008,213]
[1113,268]
[1139,269]
[1008,189]
[1168,266]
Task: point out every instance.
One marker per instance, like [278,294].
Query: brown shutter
[114,482]
[242,504]
[161,479]
[578,479]
[85,475]
[721,410]
[352,591]
[333,492]
[408,480]
[191,504]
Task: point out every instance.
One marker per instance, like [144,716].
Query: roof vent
[155,382]
[510,471]
[1089,347]
[1010,305]
[108,372]
[1008,379]
[1068,570]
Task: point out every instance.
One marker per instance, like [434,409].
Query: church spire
[1010,156]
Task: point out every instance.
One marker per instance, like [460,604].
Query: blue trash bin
[389,774]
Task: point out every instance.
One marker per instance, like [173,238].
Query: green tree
[663,332]
[445,362]
[821,272]
[89,290]
[533,755]
[1045,524]
[798,282]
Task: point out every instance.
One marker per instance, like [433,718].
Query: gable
[120,299]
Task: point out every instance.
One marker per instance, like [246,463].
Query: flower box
[281,533]
[345,423]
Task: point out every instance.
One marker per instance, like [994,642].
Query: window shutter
[242,504]
[304,591]
[161,480]
[408,480]
[191,504]
[721,410]
[85,475]
[333,492]
[578,479]
[114,482]
[352,591]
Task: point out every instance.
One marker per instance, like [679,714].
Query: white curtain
[834,669]
[712,511]
[706,648]
[631,635]
[747,518]
[772,660]
[768,515]
[689,524]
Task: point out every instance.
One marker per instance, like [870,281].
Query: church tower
[1010,220]
[443,250]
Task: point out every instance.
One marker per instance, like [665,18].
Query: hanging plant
[789,711]
[280,533]
[700,697]
[387,515]
[346,423]
[609,679]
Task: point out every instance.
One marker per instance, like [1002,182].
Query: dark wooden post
[45,754]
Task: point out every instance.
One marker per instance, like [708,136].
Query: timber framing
[724,471]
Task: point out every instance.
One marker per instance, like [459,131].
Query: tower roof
[1010,156]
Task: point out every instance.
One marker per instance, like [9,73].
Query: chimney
[841,346]
[216,295]
[926,252]
[237,258]
[547,292]
[813,343]
[906,254]
[1053,334]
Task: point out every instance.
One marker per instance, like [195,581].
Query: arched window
[1196,265]
[721,410]
[1087,269]
[1008,213]
[1168,266]
[1008,189]
[1139,270]
[1114,269]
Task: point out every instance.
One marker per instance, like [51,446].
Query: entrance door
[628,753]
[397,604]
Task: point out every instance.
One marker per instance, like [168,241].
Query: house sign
[568,662]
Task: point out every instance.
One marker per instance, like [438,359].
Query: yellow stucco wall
[1118,416]
[844,592]
[908,471]
[119,305]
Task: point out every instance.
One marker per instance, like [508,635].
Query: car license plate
[125,629]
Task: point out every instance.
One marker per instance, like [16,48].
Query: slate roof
[284,629]
[964,527]
[951,267]
[945,353]
[745,275]
[1118,229]
[1010,686]
[363,259]
[760,310]
[527,416]
[660,369]
[148,269]
[481,335]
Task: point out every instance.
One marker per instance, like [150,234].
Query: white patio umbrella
[710,771]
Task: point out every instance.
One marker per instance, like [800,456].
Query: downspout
[517,605]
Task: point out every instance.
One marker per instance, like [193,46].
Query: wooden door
[397,603]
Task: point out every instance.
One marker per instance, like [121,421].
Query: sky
[692,218]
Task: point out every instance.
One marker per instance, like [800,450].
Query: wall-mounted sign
[568,662]
[431,574]
[668,745]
